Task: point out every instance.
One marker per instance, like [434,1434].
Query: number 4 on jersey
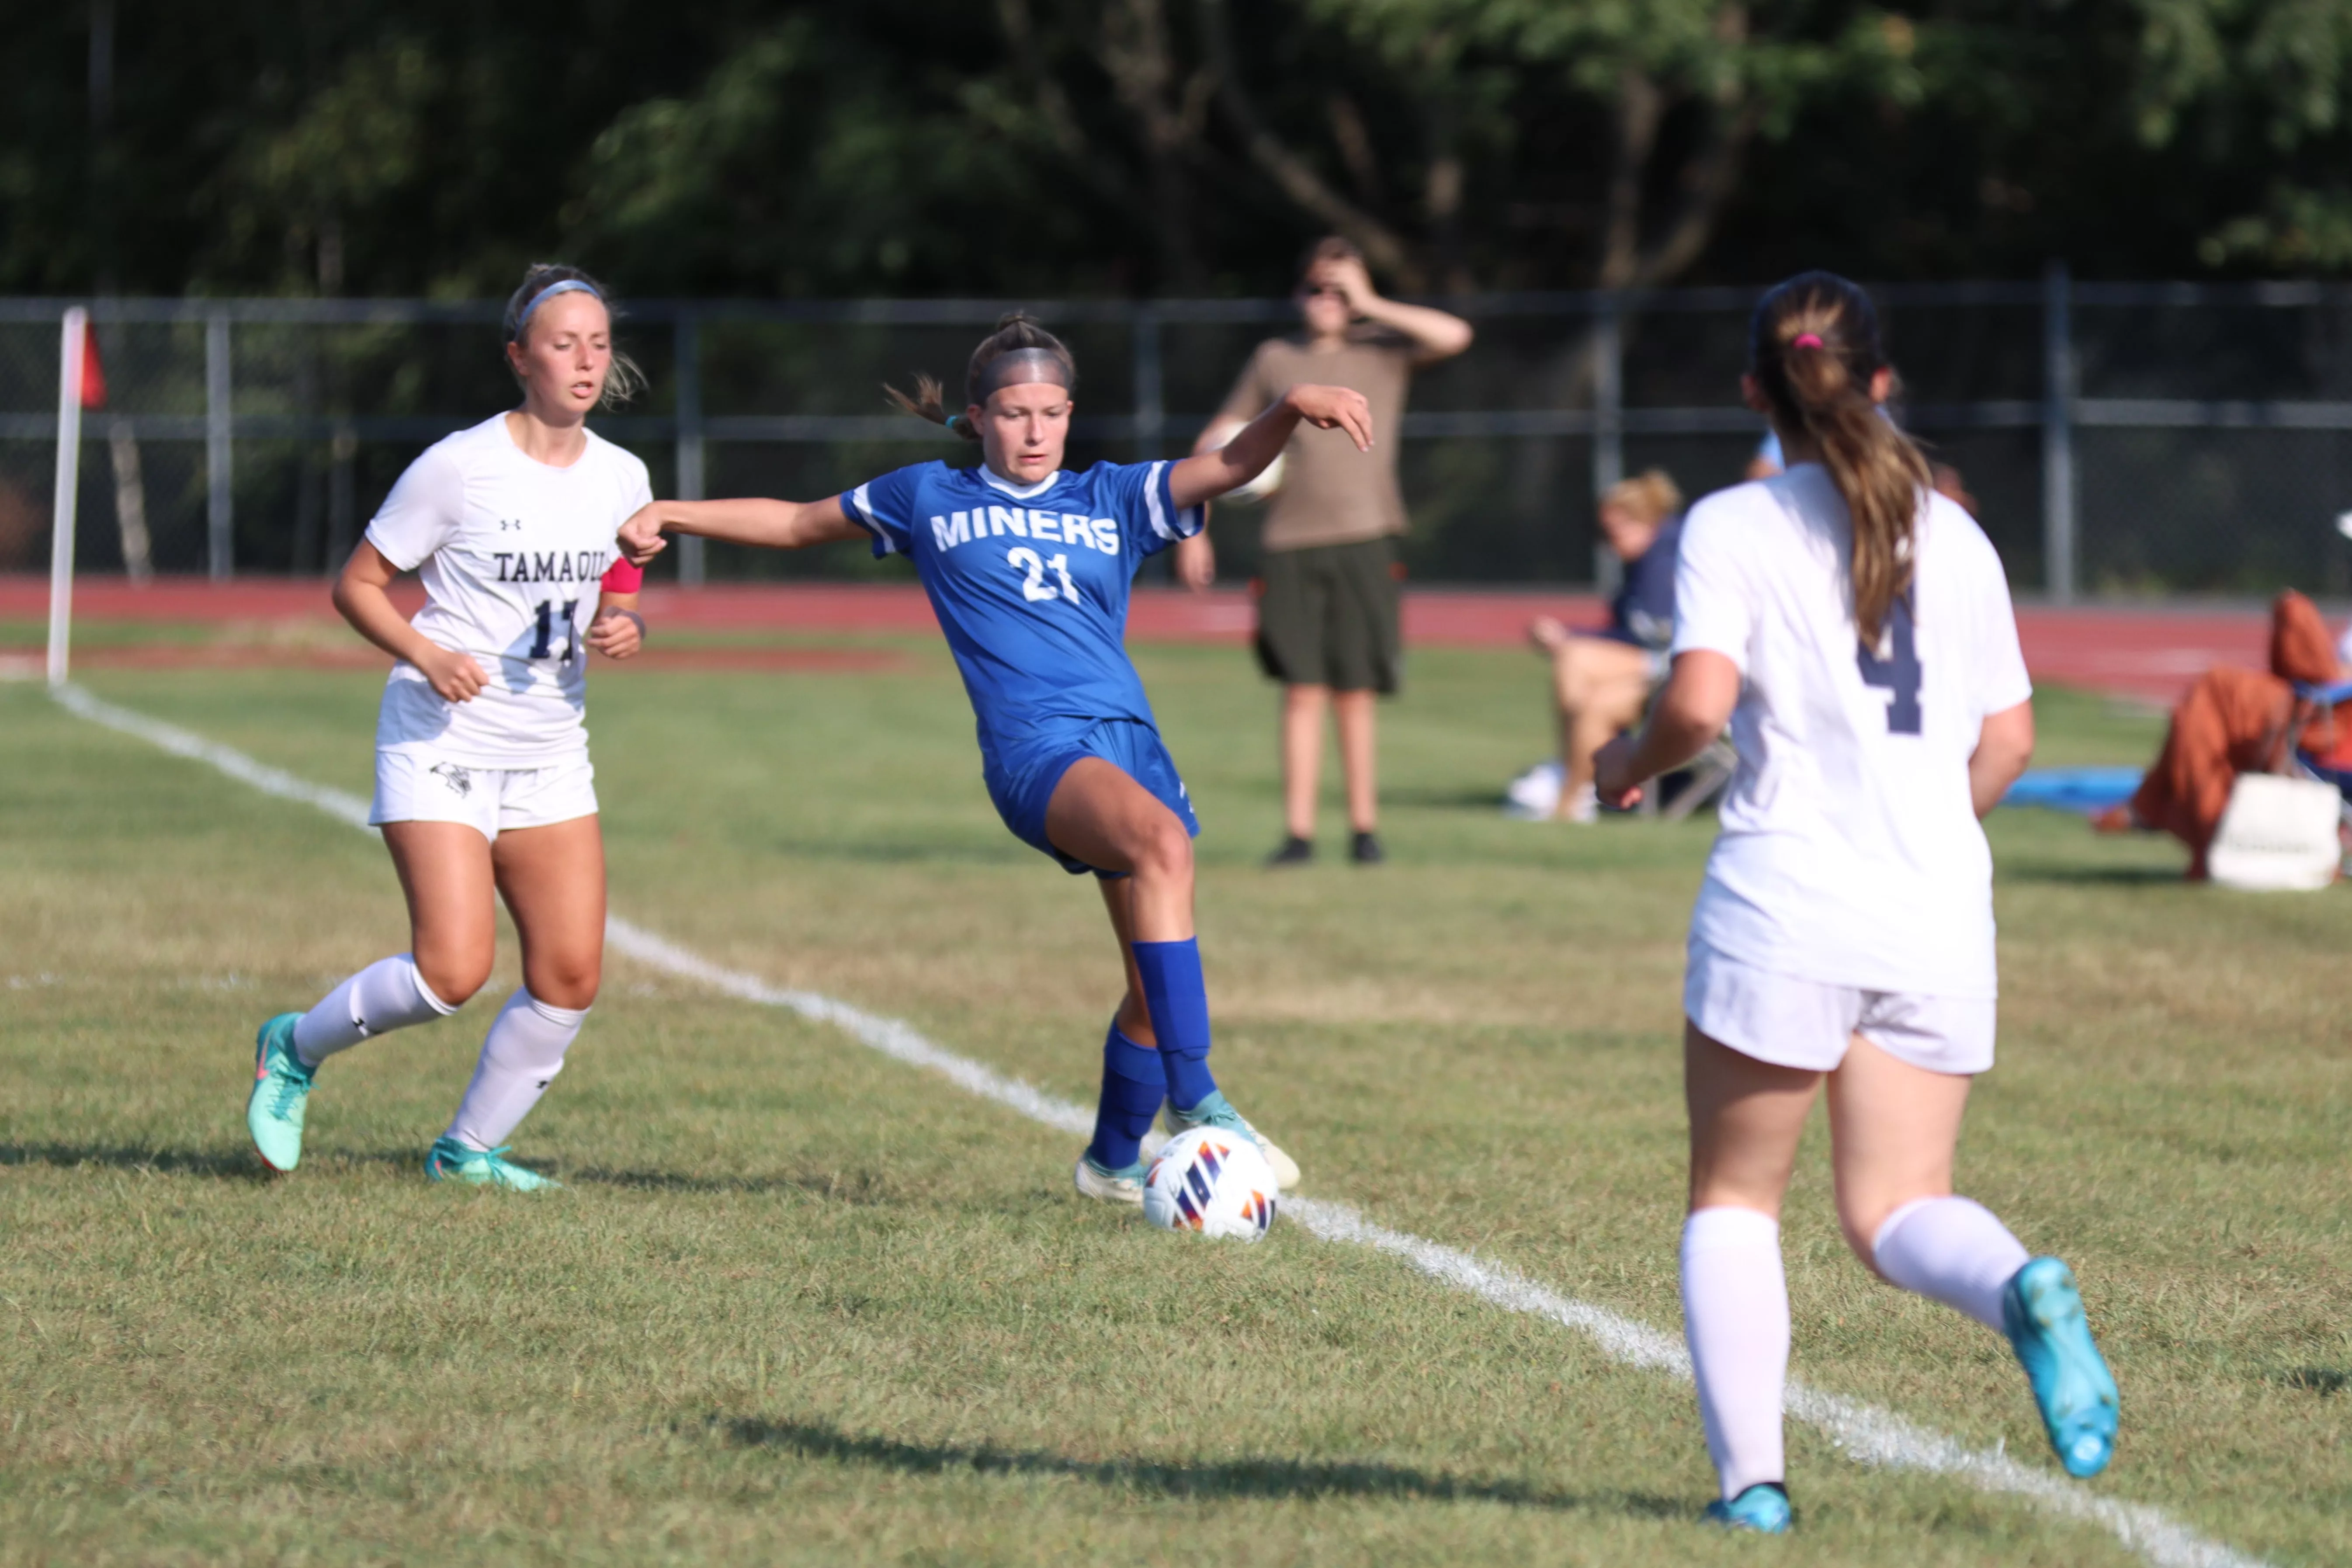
[1899,674]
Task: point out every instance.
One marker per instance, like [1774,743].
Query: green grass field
[801,1303]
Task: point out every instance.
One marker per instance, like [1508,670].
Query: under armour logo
[460,782]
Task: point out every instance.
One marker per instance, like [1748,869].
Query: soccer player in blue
[1028,566]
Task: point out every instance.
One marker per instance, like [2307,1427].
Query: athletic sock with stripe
[387,994]
[1735,1319]
[1178,999]
[1953,1251]
[1133,1084]
[520,1059]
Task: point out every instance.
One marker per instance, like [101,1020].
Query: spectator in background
[1601,680]
[1327,599]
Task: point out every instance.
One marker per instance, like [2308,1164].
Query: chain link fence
[2119,439]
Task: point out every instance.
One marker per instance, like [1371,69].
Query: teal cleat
[281,1088]
[1216,1110]
[451,1160]
[1762,1507]
[2044,1314]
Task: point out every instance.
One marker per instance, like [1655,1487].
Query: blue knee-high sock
[1179,1002]
[1133,1089]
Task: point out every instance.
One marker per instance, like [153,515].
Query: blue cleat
[1762,1507]
[451,1160]
[281,1088]
[2044,1314]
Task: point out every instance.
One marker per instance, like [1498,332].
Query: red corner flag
[93,375]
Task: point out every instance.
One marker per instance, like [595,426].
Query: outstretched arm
[1208,475]
[775,525]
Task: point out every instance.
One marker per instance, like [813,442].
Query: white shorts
[1805,1024]
[418,786]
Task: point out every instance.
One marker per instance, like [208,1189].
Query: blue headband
[564,286]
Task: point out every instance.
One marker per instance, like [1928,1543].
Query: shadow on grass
[1256,1478]
[834,1186]
[2320,1379]
[240,1165]
[2095,875]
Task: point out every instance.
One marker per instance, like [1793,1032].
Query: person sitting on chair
[2235,721]
[1601,680]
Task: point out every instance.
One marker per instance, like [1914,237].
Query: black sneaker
[1295,851]
[1366,850]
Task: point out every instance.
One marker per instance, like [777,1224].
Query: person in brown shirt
[1327,600]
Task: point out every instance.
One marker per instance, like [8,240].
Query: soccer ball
[1211,1181]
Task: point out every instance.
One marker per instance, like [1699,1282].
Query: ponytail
[1814,346]
[1044,357]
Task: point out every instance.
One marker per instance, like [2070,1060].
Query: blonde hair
[1814,347]
[1653,495]
[624,380]
[1014,331]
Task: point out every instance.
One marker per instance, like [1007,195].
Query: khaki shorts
[1327,615]
[1804,1023]
[418,786]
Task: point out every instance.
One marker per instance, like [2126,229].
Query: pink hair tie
[1806,341]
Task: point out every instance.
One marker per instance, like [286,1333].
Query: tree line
[1140,147]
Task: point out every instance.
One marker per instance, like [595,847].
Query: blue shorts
[1022,783]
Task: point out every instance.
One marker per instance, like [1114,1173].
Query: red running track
[2150,653]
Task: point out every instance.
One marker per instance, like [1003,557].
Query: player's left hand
[1335,407]
[1614,779]
[616,633]
[641,537]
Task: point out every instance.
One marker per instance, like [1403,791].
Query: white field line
[1865,1432]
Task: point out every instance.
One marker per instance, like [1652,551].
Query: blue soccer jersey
[1031,585]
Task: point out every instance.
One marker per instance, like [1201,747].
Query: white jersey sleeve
[1997,671]
[421,512]
[1714,593]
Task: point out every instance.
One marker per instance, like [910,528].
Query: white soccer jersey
[1850,854]
[510,551]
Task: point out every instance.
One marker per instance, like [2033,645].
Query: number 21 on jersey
[1898,673]
[1034,587]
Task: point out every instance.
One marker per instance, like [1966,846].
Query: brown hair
[1652,494]
[1814,347]
[1013,332]
[1331,247]
[625,380]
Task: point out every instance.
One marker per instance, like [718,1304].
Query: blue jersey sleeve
[885,507]
[1150,518]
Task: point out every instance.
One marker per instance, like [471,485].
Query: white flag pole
[73,343]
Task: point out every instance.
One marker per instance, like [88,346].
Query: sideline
[1866,1433]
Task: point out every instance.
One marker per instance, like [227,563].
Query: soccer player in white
[1854,630]
[483,784]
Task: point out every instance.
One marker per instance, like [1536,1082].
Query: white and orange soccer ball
[1210,1182]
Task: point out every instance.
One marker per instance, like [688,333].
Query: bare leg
[1894,1128]
[1302,756]
[1600,688]
[1358,756]
[445,871]
[553,881]
[1100,815]
[1746,1118]
[1134,1017]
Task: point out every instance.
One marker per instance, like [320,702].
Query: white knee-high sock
[1736,1319]
[387,994]
[520,1058]
[1951,1250]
